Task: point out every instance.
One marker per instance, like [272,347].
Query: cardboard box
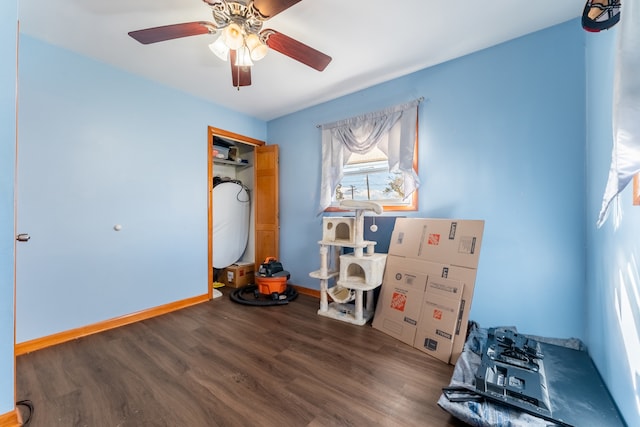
[238,275]
[447,248]
[398,308]
[395,292]
[468,278]
[448,241]
[233,153]
[439,319]
[464,275]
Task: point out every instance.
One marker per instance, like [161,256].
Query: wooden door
[266,196]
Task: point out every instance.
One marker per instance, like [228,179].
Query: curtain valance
[392,130]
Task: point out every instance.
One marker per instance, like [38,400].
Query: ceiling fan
[242,39]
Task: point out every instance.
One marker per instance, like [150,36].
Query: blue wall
[99,147]
[8,43]
[501,139]
[613,291]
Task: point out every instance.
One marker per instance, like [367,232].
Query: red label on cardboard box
[398,301]
[437,314]
[434,239]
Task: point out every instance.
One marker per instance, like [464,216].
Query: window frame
[413,205]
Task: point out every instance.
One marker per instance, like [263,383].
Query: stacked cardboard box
[428,284]
[238,275]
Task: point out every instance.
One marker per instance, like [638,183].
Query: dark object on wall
[600,15]
[382,235]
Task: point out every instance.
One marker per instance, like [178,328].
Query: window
[372,157]
[368,177]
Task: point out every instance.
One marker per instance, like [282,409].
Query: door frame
[211,132]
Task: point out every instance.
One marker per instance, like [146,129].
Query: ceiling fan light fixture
[240,37]
[233,36]
[257,49]
[219,48]
[243,57]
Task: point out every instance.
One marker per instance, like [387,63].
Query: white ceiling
[370,41]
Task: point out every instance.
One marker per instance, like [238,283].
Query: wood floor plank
[224,364]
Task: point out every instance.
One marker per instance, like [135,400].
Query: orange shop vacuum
[271,286]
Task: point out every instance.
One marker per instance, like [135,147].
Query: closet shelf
[231,163]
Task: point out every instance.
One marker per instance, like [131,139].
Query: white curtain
[392,130]
[625,161]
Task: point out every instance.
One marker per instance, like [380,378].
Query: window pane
[371,181]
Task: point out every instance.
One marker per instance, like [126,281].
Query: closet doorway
[255,164]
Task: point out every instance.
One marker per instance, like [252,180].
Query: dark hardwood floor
[224,364]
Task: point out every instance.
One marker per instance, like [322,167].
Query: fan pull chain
[238,74]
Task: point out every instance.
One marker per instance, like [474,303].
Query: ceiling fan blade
[270,8]
[241,76]
[296,50]
[175,31]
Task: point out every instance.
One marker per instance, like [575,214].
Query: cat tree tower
[356,273]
